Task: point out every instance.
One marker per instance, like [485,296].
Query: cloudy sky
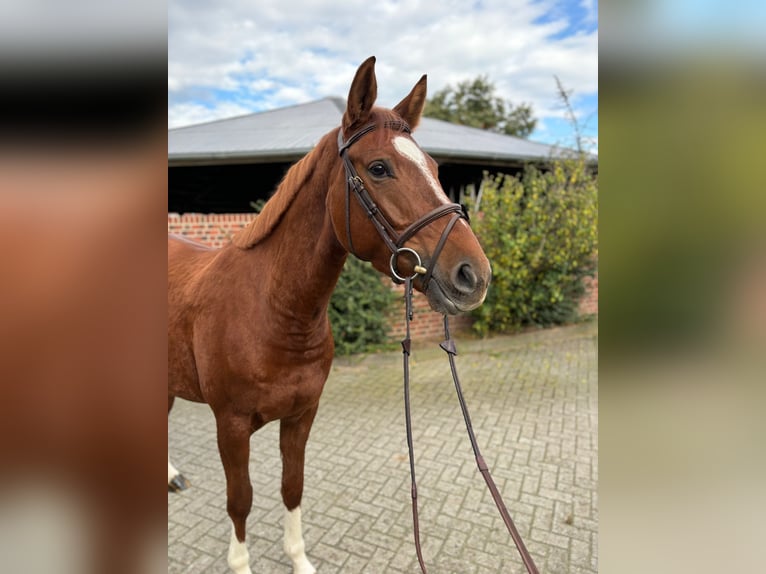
[233,57]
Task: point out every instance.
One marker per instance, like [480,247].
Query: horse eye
[378,169]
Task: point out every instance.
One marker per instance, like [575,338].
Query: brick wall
[216,229]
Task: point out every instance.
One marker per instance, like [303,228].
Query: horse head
[388,207]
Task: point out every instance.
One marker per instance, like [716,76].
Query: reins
[448,345]
[395,243]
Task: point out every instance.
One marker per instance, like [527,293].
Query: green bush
[539,231]
[359,308]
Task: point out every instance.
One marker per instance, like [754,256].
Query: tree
[566,100]
[473,103]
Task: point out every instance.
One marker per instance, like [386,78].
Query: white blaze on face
[411,151]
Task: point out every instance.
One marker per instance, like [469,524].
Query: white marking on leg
[294,546]
[172,471]
[410,150]
[238,558]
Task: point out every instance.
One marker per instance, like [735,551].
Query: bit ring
[418,269]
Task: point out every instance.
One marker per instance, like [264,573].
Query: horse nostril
[464,278]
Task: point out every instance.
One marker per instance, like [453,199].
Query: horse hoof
[178,483]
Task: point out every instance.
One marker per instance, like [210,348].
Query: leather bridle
[395,243]
[393,240]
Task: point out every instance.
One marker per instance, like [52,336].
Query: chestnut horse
[248,331]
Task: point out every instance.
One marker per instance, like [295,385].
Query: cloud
[281,52]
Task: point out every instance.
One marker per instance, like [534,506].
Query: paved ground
[533,401]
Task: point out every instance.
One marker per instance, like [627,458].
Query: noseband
[394,241]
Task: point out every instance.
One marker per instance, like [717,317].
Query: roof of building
[286,134]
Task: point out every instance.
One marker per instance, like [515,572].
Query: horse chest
[279,391]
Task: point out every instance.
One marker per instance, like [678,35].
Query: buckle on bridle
[418,269]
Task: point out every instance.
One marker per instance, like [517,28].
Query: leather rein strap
[393,240]
[448,345]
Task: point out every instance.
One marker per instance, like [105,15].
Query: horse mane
[274,210]
[267,220]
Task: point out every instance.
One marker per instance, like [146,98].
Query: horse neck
[304,256]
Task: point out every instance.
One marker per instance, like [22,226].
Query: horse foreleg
[234,446]
[293,434]
[176,480]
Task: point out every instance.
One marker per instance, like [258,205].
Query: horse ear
[411,107]
[362,95]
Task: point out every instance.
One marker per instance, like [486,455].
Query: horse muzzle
[460,289]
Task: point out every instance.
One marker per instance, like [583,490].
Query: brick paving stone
[533,400]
